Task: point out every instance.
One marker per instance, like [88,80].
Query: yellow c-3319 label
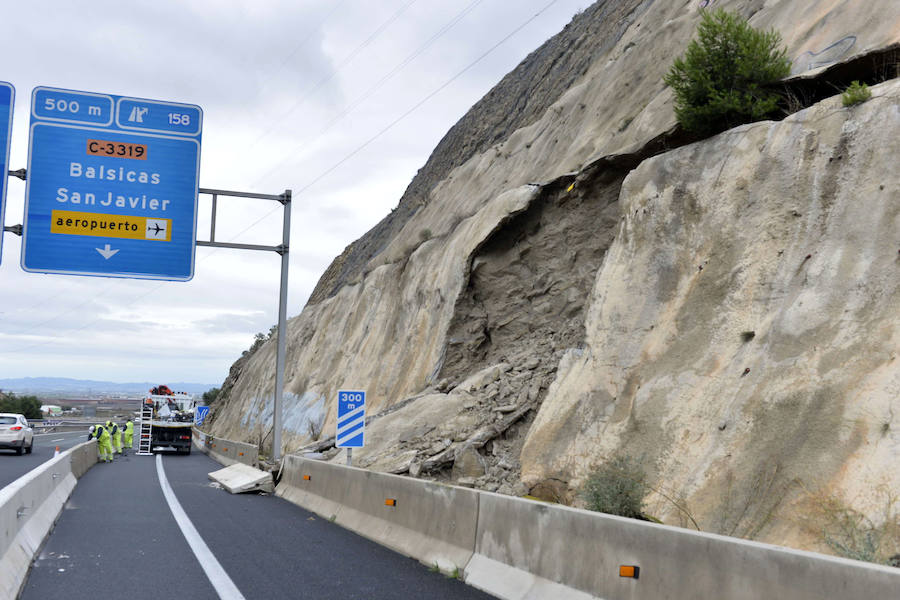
[69,222]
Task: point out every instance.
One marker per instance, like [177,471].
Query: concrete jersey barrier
[584,550]
[226,452]
[30,505]
[431,522]
[521,549]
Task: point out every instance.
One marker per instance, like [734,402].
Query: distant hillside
[57,385]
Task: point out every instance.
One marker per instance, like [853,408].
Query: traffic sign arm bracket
[16,229]
[276,197]
[282,249]
[211,244]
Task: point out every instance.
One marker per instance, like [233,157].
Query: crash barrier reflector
[226,452]
[629,571]
[30,505]
[527,549]
[432,522]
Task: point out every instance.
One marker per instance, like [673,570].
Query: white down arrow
[106,252]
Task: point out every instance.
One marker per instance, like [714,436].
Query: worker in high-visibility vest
[129,435]
[104,447]
[115,436]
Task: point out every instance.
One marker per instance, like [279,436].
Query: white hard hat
[91,429]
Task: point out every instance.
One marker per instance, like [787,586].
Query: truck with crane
[165,421]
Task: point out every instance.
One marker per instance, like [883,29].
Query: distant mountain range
[63,385]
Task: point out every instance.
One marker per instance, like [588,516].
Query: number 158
[179,119]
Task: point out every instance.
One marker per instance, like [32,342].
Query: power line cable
[393,123]
[317,86]
[380,83]
[301,45]
[384,79]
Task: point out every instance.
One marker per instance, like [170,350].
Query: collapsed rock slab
[240,478]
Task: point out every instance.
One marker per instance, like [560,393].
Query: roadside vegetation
[617,487]
[29,406]
[721,80]
[211,395]
[856,93]
[850,533]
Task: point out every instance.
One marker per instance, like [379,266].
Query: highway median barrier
[520,549]
[29,507]
[226,452]
[586,551]
[431,522]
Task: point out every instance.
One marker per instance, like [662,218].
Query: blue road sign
[200,415]
[112,186]
[7,102]
[351,419]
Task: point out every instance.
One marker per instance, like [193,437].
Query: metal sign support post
[283,249]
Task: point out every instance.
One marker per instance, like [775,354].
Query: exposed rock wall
[743,333]
[541,328]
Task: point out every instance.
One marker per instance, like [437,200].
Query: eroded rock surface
[744,329]
[727,312]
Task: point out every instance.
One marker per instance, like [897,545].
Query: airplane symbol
[157,229]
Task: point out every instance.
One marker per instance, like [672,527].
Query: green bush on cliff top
[720,81]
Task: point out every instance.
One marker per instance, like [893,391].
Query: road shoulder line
[217,576]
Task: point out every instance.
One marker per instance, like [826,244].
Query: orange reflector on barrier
[306,478]
[629,571]
[225,449]
[390,502]
[240,453]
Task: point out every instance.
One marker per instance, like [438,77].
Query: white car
[15,433]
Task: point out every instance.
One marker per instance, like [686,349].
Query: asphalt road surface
[12,466]
[118,532]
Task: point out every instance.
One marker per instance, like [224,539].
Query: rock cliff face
[743,330]
[549,294]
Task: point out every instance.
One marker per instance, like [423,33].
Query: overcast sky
[289,90]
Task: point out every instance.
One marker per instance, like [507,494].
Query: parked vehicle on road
[173,417]
[15,433]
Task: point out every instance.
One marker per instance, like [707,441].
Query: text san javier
[141,201]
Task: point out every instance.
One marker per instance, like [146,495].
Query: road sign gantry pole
[283,250]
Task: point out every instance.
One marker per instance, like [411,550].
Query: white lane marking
[214,572]
[59,440]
